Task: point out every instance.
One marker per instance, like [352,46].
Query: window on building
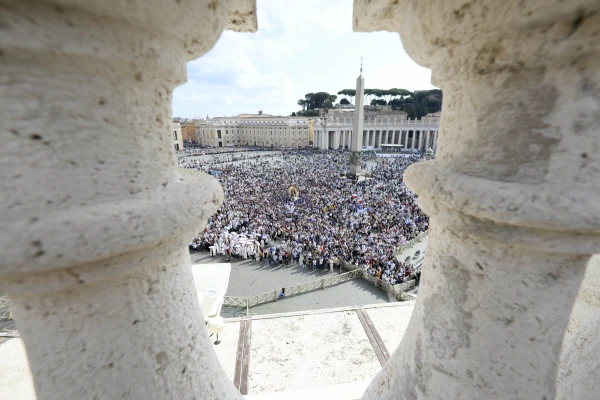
[175,136]
[219,133]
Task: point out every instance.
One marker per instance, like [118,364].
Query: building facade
[255,130]
[188,130]
[379,128]
[176,136]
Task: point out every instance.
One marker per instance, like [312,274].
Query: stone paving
[249,278]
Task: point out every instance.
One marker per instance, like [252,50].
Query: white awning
[211,281]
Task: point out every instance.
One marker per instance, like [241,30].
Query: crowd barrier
[7,325]
[267,297]
[411,243]
[398,290]
[5,312]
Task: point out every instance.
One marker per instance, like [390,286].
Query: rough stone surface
[296,353]
[587,304]
[18,384]
[391,323]
[512,193]
[579,365]
[227,350]
[15,377]
[95,214]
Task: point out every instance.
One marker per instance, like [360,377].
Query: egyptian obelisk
[357,127]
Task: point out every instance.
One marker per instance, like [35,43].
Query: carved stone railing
[513,191]
[95,214]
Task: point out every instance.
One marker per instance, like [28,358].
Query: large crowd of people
[213,160]
[333,220]
[190,158]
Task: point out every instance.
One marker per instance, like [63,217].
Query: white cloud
[300,47]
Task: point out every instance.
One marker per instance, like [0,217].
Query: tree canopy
[416,104]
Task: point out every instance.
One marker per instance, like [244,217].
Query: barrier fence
[399,291]
[7,324]
[411,243]
[5,312]
[290,290]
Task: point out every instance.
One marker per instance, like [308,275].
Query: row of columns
[410,139]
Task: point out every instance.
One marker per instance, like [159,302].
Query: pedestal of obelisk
[357,129]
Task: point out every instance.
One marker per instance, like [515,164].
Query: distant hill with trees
[416,104]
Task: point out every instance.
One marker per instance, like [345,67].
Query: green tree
[310,103]
[378,102]
[368,94]
[307,113]
[344,101]
[318,99]
[421,111]
[399,93]
[348,93]
[412,112]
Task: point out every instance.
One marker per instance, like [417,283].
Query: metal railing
[290,290]
[398,291]
[7,324]
[411,243]
[5,312]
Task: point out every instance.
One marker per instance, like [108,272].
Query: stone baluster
[96,215]
[512,194]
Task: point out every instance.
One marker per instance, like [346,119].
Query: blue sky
[300,47]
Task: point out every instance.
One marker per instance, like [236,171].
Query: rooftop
[283,352]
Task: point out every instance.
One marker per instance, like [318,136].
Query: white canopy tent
[211,281]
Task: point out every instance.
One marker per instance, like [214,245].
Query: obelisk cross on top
[361,58]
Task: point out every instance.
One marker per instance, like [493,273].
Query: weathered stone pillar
[512,194]
[95,214]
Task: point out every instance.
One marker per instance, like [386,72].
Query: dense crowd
[184,154]
[333,220]
[207,163]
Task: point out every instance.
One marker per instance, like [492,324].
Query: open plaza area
[329,221]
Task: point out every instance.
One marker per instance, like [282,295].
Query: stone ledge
[109,229]
[523,204]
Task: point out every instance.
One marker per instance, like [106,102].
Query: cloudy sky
[300,47]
